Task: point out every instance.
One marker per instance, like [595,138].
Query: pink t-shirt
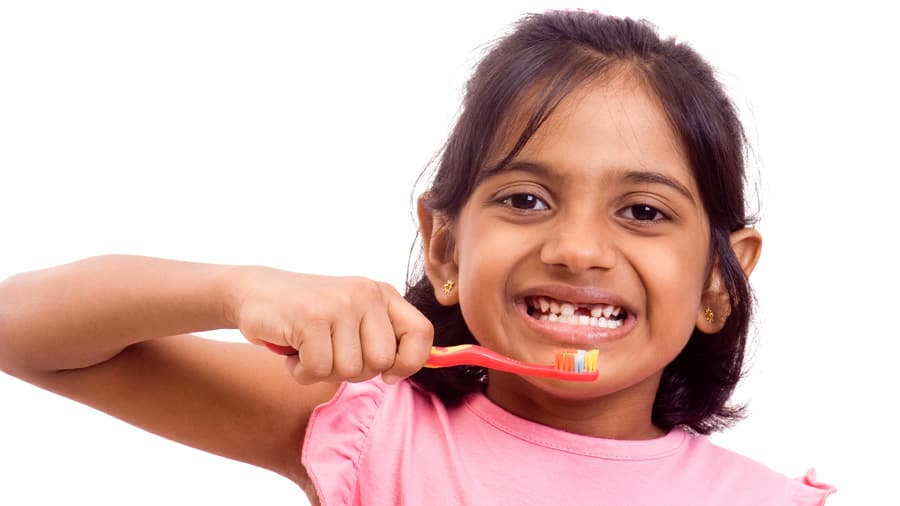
[384,444]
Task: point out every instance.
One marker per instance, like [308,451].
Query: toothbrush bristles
[577,360]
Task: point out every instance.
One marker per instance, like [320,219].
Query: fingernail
[390,379]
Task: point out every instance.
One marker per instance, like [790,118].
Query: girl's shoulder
[746,477]
[352,444]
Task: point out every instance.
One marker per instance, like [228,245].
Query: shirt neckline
[557,439]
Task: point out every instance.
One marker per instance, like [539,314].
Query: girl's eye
[643,212]
[525,201]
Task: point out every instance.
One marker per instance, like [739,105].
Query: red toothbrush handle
[468,354]
[281,350]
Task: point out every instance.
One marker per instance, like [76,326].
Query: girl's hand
[343,328]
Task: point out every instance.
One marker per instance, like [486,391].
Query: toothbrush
[572,365]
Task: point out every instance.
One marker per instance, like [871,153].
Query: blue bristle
[579,361]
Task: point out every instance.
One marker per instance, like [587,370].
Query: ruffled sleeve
[335,439]
[808,491]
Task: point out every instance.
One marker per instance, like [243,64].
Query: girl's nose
[578,246]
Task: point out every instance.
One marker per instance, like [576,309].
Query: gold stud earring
[448,287]
[709,315]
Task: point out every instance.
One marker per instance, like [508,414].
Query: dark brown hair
[552,54]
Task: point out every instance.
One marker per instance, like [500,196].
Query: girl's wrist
[230,286]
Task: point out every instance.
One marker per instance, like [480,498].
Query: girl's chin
[560,390]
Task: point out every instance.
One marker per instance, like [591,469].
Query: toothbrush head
[577,360]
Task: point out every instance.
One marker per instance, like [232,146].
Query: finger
[347,349]
[415,335]
[315,359]
[379,343]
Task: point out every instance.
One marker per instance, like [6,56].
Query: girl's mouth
[604,316]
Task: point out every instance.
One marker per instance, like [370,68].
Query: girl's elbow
[12,334]
[7,364]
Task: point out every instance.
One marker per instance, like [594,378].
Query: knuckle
[387,288]
[349,368]
[302,376]
[343,300]
[381,361]
[318,370]
[404,367]
[364,287]
[364,375]
[423,328]
[370,289]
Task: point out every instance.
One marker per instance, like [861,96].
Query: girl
[590,196]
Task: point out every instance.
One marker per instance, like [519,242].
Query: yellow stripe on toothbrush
[447,350]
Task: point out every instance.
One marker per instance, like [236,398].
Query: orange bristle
[577,360]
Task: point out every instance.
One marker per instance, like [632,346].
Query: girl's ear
[439,252]
[715,306]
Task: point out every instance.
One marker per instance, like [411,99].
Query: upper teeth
[565,312]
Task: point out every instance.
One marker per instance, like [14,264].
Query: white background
[269,133]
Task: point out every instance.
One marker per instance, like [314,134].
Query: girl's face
[594,236]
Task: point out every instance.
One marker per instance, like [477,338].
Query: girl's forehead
[603,124]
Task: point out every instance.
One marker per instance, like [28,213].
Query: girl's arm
[111,332]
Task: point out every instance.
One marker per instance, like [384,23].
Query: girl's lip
[577,294]
[577,336]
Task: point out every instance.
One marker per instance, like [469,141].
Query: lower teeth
[581,320]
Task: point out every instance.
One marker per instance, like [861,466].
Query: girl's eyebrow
[535,168]
[630,176]
[650,177]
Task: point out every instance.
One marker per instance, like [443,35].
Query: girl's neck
[624,415]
